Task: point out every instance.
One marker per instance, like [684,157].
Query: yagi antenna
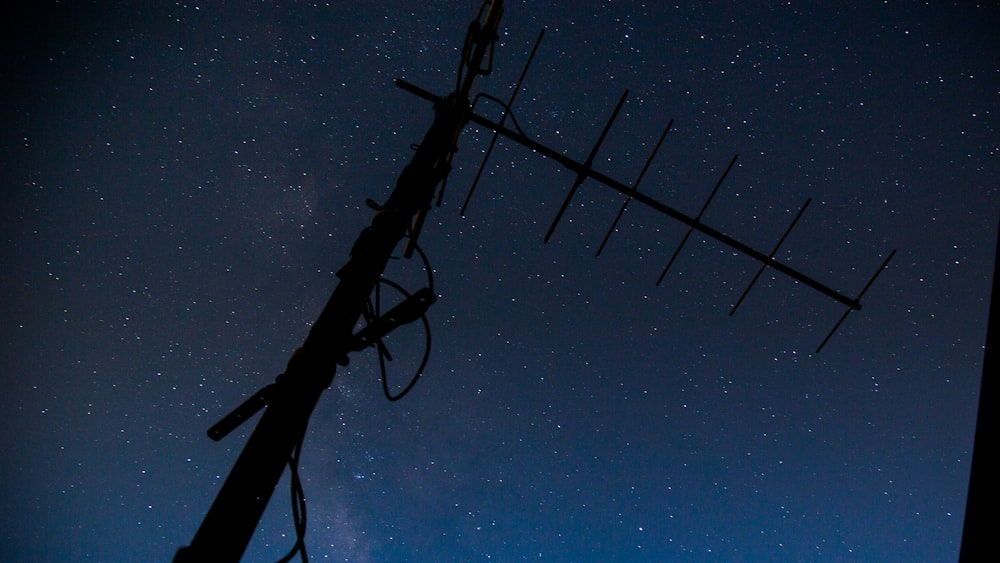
[277,439]
[585,170]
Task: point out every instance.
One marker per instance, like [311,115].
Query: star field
[182,181]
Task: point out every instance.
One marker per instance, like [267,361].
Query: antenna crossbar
[697,217]
[635,188]
[585,167]
[503,118]
[885,264]
[771,255]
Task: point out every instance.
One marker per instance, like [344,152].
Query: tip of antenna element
[884,265]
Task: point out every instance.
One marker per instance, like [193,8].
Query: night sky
[181,182]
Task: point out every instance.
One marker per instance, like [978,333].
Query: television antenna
[231,520]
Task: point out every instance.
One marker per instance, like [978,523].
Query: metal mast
[233,516]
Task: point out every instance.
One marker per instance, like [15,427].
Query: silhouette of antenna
[289,401]
[585,170]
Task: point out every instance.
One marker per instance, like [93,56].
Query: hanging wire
[427,266]
[298,508]
[372,311]
[383,352]
[503,104]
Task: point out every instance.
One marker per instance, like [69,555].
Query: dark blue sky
[181,181]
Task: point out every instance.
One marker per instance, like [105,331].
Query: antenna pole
[233,516]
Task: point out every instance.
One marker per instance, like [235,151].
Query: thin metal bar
[833,330]
[241,413]
[687,235]
[871,281]
[417,91]
[860,295]
[503,118]
[773,252]
[635,188]
[582,174]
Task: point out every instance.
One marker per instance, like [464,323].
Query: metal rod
[582,174]
[771,255]
[241,413]
[635,188]
[860,295]
[503,118]
[697,217]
